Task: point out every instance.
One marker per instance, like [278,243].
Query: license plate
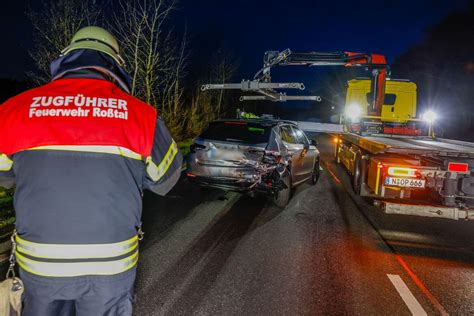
[405,182]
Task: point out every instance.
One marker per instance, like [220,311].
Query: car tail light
[195,147]
[458,167]
[402,172]
[189,174]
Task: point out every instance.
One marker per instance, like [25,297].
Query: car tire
[282,197]
[316,172]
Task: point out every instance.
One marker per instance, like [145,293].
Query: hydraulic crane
[263,85]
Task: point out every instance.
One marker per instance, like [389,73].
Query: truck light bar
[458,167]
[402,172]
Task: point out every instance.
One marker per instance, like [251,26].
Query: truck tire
[282,197]
[356,177]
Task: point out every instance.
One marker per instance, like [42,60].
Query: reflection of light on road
[405,236]
[422,287]
[333,175]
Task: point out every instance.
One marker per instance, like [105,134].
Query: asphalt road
[328,252]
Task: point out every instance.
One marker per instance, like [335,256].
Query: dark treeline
[159,59]
[442,65]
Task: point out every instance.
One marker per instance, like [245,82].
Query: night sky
[248,28]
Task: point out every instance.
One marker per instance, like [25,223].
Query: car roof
[271,122]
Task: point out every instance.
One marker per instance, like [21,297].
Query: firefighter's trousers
[81,296]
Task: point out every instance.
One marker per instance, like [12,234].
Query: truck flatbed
[409,145]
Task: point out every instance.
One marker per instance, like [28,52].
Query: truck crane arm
[376,63]
[263,85]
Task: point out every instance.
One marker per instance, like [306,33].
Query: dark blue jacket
[80,151]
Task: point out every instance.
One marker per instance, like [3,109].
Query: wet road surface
[209,252]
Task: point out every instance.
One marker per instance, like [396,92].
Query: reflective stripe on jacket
[64,260]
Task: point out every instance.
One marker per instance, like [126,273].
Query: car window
[301,137]
[238,132]
[287,135]
[389,98]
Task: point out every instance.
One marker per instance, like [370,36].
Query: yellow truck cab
[399,103]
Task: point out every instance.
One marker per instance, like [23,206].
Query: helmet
[95,38]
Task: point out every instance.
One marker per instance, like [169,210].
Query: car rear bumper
[229,184]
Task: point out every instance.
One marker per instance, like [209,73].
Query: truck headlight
[353,112]
[429,116]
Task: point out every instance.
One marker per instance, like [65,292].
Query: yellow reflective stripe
[377,180]
[72,269]
[156,172]
[115,150]
[5,163]
[76,251]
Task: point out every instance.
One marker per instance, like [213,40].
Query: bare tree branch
[54,27]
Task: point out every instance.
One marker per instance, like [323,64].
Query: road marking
[422,287]
[405,293]
[412,275]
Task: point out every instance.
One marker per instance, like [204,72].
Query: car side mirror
[314,142]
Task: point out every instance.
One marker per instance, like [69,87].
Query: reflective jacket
[81,151]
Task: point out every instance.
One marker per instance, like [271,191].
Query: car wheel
[316,172]
[282,197]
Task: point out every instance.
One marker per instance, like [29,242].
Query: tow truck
[392,156]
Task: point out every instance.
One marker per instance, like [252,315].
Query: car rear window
[238,132]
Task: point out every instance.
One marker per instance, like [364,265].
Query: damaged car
[253,156]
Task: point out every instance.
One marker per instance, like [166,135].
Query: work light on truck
[430,116]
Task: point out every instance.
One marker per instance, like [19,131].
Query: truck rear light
[403,172]
[458,167]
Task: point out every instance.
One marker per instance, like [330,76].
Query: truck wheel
[316,172]
[282,197]
[356,178]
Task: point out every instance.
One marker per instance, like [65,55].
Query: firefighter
[80,151]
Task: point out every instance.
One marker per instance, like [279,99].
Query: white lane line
[405,293]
